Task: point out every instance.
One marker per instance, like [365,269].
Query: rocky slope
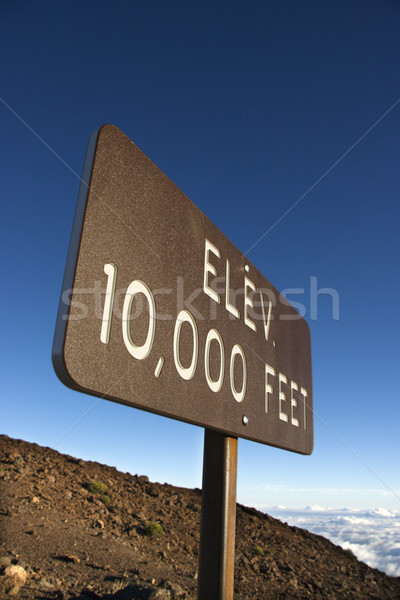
[76,529]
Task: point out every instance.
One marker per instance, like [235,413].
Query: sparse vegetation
[99,489]
[350,553]
[259,551]
[152,528]
[105,499]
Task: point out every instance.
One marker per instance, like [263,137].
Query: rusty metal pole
[218,517]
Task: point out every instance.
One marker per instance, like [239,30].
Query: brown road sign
[160,311]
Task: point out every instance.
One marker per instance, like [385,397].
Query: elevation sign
[160,311]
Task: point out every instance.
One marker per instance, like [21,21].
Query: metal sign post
[218,517]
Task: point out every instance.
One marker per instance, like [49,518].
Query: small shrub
[105,499]
[349,552]
[152,528]
[99,489]
[259,551]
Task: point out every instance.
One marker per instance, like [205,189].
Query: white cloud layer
[372,535]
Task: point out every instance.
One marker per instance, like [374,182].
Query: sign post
[159,308]
[218,517]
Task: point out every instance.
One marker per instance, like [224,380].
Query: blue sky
[250,108]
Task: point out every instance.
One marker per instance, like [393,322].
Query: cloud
[324,490]
[372,535]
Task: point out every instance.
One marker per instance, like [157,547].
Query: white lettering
[293,403]
[237,350]
[215,386]
[268,387]
[111,271]
[209,268]
[234,311]
[185,372]
[139,352]
[248,302]
[304,393]
[267,321]
[282,398]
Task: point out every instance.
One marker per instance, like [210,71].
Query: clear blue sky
[245,106]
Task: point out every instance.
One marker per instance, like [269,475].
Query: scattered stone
[82,535]
[46,584]
[13,578]
[68,558]
[99,523]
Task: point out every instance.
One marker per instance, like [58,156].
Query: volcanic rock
[71,529]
